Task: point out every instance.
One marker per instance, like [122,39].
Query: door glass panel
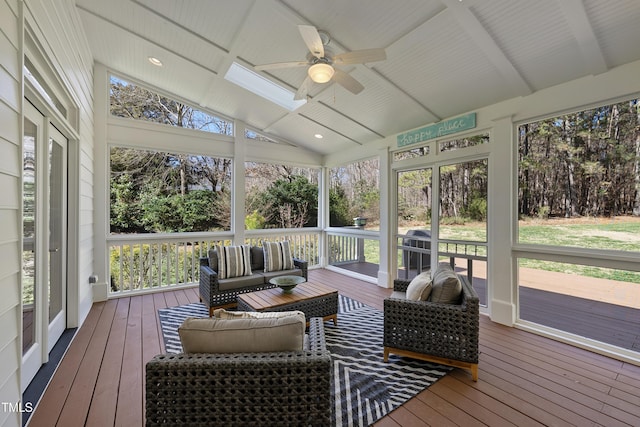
[414,222]
[56,211]
[29,235]
[462,239]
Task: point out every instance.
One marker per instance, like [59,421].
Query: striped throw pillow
[277,256]
[234,261]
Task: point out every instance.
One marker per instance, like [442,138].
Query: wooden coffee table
[313,299]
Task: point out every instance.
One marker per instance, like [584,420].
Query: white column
[323,215]
[238,191]
[387,208]
[101,187]
[501,284]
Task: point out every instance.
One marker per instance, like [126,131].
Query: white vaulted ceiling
[444,57]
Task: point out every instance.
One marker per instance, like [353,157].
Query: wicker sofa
[436,332]
[216,292]
[242,389]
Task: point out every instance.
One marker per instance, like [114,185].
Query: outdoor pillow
[446,285]
[213,259]
[257,258]
[234,261]
[420,287]
[277,256]
[221,313]
[270,334]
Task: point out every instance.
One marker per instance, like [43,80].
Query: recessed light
[155,61]
[317,135]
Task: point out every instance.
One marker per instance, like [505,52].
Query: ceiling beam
[488,45]
[576,16]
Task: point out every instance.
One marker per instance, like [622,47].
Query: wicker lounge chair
[242,389]
[436,332]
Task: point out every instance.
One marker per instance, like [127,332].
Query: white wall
[10,205]
[59,30]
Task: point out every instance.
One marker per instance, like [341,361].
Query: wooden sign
[446,127]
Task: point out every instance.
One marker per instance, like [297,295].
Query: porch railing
[349,245]
[416,253]
[140,262]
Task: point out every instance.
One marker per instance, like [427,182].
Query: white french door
[44,281]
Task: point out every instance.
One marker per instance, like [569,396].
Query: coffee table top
[274,297]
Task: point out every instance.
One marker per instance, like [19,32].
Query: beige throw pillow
[420,287]
[248,335]
[221,313]
[446,285]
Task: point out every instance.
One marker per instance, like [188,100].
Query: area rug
[364,388]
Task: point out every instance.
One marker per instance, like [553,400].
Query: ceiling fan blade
[360,56]
[312,39]
[303,90]
[279,65]
[348,82]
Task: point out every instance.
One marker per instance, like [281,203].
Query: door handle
[54,250]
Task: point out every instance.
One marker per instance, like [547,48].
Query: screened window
[354,192]
[411,154]
[161,192]
[132,101]
[280,196]
[456,144]
[578,179]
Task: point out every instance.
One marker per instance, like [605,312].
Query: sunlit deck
[525,379]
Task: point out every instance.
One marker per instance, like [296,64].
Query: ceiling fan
[321,62]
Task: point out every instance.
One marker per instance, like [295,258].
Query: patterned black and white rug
[364,388]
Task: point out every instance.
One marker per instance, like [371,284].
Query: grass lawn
[618,234]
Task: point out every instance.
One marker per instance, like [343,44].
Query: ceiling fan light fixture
[321,72]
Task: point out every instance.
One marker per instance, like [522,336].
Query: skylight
[263,87]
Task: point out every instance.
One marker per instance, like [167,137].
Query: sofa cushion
[446,285]
[270,334]
[240,282]
[420,287]
[234,261]
[277,256]
[272,274]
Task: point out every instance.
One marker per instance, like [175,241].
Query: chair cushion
[420,287]
[446,285]
[234,261]
[277,256]
[245,335]
[398,295]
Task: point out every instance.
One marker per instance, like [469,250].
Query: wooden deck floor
[525,379]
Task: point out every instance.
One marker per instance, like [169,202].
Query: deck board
[524,379]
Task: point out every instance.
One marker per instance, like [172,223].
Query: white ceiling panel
[617,27]
[444,57]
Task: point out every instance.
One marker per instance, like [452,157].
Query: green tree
[290,203]
[339,208]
